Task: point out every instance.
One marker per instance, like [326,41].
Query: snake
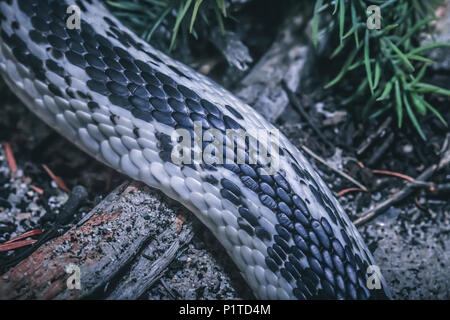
[129,106]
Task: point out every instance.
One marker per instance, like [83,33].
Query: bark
[101,246]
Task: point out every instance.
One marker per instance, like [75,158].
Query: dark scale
[117,88]
[195,106]
[247,215]
[120,101]
[76,59]
[234,112]
[262,233]
[155,91]
[166,156]
[327,259]
[268,201]
[301,243]
[57,42]
[188,93]
[286,274]
[141,92]
[280,251]
[216,122]
[271,264]
[292,269]
[141,104]
[312,236]
[338,265]
[281,242]
[116,76]
[40,24]
[96,74]
[113,64]
[250,183]
[267,189]
[321,234]
[246,226]
[94,61]
[161,105]
[230,123]
[164,117]
[285,221]
[283,207]
[37,37]
[178,72]
[75,46]
[134,77]
[283,232]
[315,252]
[301,230]
[55,90]
[302,218]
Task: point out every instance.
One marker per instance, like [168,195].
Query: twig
[59,182]
[440,188]
[16,244]
[395,174]
[10,158]
[406,191]
[345,191]
[366,144]
[171,294]
[38,190]
[151,269]
[381,150]
[296,103]
[25,235]
[333,167]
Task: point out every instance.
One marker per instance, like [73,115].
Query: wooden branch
[122,248]
[118,228]
[408,189]
[285,61]
[150,266]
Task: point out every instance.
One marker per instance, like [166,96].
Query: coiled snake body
[120,100]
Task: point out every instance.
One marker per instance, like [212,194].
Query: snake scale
[123,102]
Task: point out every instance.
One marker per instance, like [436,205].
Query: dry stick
[296,103]
[366,144]
[441,188]
[333,167]
[381,150]
[406,191]
[149,270]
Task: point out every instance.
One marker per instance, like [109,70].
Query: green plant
[146,16]
[392,58]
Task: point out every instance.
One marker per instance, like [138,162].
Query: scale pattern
[120,100]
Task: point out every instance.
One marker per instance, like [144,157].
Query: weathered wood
[151,264]
[118,228]
[122,248]
[283,62]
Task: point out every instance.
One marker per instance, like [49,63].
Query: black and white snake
[123,102]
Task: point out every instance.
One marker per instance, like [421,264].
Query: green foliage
[146,16]
[392,59]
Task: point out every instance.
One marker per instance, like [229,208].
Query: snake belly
[120,100]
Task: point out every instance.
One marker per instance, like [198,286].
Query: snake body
[120,100]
